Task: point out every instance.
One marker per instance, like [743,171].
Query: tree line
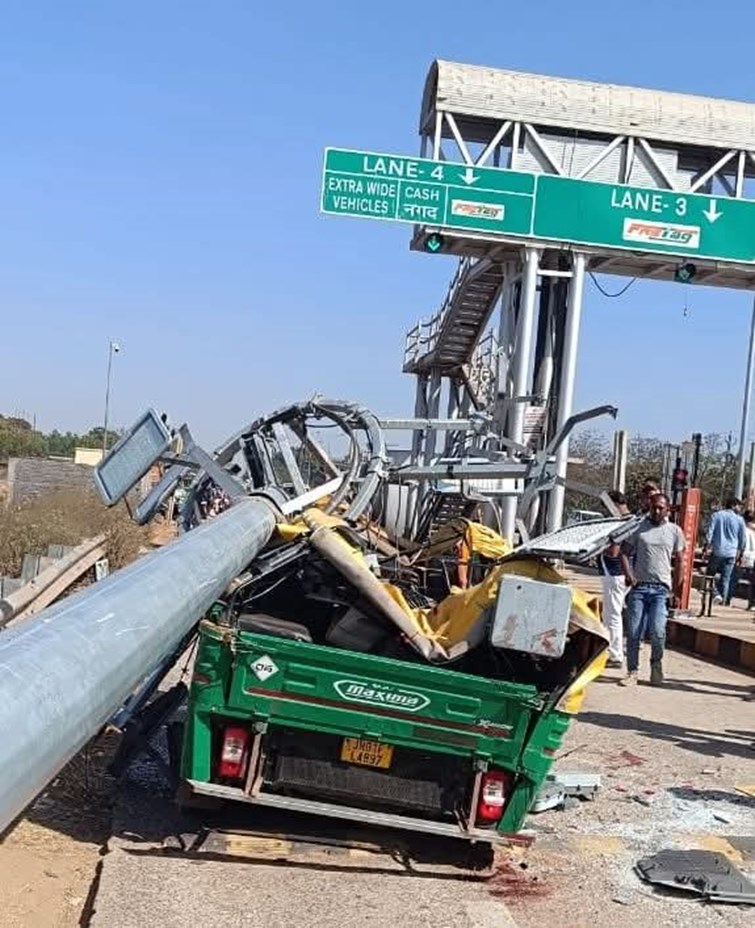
[18,439]
[716,474]
[716,469]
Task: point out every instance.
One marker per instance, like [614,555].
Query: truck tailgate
[314,687]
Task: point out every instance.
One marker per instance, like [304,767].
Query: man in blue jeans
[726,540]
[652,558]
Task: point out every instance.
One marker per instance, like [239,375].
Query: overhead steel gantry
[527,359]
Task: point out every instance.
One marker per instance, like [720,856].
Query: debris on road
[705,873]
[625,759]
[562,790]
[643,800]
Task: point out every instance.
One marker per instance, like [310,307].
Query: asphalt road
[670,762]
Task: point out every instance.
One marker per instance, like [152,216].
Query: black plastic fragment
[704,873]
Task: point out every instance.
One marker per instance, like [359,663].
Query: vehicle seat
[271,625]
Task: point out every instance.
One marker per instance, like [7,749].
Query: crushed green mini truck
[415,673]
[279,718]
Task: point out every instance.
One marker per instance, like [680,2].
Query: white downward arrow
[712,213]
[469,176]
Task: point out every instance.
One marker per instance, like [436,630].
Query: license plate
[366,753]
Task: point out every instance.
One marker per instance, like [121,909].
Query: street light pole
[114,349]
[746,410]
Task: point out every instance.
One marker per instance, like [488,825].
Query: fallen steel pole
[64,672]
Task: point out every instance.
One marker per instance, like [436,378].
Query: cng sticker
[380,694]
[264,667]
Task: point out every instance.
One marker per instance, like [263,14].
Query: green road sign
[644,219]
[436,193]
[540,206]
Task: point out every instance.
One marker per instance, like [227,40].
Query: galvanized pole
[114,349]
[433,411]
[413,494]
[525,337]
[746,409]
[511,278]
[620,450]
[521,371]
[68,669]
[568,379]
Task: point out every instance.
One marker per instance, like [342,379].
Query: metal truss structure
[521,368]
[600,132]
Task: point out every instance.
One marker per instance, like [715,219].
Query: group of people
[643,572]
[212,501]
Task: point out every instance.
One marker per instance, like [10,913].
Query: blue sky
[159,184]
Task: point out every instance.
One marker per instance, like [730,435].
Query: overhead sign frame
[537,208]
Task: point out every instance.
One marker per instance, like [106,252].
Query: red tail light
[493,794]
[234,753]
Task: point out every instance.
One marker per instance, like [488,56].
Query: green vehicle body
[319,691]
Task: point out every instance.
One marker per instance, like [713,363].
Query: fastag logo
[661,233]
[492,211]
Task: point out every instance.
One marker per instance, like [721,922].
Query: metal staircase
[454,345]
[447,342]
[444,506]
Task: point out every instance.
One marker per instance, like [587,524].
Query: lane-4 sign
[543,207]
[380,694]
[418,190]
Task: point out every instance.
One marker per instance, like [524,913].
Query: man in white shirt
[615,590]
[748,555]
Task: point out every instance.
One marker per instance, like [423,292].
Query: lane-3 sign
[539,206]
[590,213]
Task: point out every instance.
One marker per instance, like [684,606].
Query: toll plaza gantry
[534,182]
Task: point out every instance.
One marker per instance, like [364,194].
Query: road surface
[670,761]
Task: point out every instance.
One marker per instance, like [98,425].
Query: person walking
[614,590]
[652,559]
[726,539]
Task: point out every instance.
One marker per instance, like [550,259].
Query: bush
[67,517]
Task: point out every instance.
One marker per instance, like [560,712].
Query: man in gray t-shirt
[652,558]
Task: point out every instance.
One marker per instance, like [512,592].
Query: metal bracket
[587,489]
[538,478]
[595,412]
[475,423]
[196,455]
[161,490]
[461,469]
